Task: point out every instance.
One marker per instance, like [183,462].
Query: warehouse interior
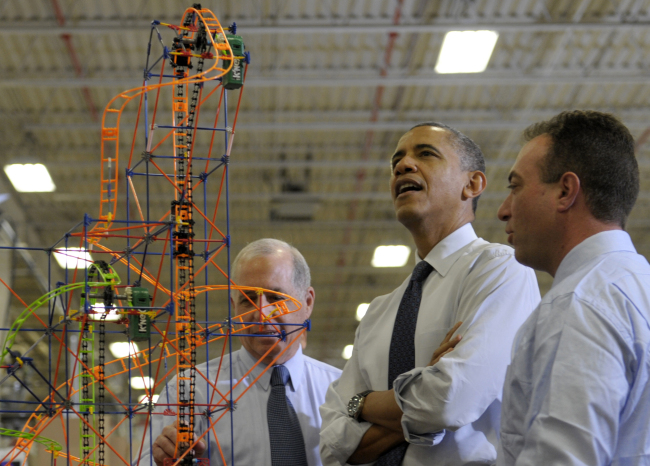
[330,88]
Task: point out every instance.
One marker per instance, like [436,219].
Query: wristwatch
[355,405]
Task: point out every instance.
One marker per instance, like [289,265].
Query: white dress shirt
[451,410]
[578,389]
[306,389]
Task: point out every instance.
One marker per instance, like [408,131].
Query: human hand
[165,445]
[447,345]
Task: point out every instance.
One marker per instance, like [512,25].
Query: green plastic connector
[234,79]
[140,323]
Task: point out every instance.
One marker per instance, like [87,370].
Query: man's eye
[246,299]
[511,186]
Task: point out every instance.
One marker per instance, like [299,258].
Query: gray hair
[270,246]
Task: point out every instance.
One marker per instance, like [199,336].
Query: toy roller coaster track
[90,388]
[195,21]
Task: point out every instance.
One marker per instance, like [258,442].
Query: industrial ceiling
[331,87]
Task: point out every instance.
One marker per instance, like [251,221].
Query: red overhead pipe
[67,39]
[365,155]
[370,134]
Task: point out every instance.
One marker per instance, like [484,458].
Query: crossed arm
[381,409]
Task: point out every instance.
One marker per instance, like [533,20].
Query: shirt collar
[294,365]
[594,246]
[448,251]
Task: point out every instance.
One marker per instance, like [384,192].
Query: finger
[437,358]
[170,432]
[453,342]
[446,352]
[445,346]
[165,444]
[162,449]
[443,349]
[200,447]
[451,332]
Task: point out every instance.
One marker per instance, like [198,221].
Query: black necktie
[401,357]
[287,443]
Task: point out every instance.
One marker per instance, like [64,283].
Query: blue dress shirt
[451,410]
[577,391]
[306,389]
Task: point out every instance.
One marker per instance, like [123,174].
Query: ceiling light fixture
[30,178]
[111,315]
[347,352]
[144,399]
[73,258]
[466,51]
[390,256]
[361,310]
[140,383]
[120,349]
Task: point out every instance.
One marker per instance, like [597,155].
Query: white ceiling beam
[493,125]
[35,28]
[482,79]
[315,197]
[642,112]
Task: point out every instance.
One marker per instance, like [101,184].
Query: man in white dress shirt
[448,412]
[577,391]
[280,268]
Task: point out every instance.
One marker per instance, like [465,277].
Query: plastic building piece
[165,253]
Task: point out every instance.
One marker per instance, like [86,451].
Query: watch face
[353,405]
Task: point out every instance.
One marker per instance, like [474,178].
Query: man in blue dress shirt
[279,268]
[577,391]
[444,413]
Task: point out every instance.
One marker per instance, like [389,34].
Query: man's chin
[260,345]
[522,257]
[406,215]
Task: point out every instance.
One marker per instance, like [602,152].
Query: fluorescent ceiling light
[111,315]
[390,256]
[361,310]
[140,383]
[144,399]
[466,51]
[30,178]
[120,349]
[347,352]
[73,258]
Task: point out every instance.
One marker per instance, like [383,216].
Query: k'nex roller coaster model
[159,263]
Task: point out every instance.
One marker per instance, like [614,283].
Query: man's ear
[569,188]
[310,298]
[476,183]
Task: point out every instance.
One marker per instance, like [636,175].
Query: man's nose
[504,210]
[267,308]
[405,165]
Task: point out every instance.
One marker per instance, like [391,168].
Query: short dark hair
[471,156]
[599,149]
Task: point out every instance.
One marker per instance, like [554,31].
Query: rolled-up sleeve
[340,434]
[496,297]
